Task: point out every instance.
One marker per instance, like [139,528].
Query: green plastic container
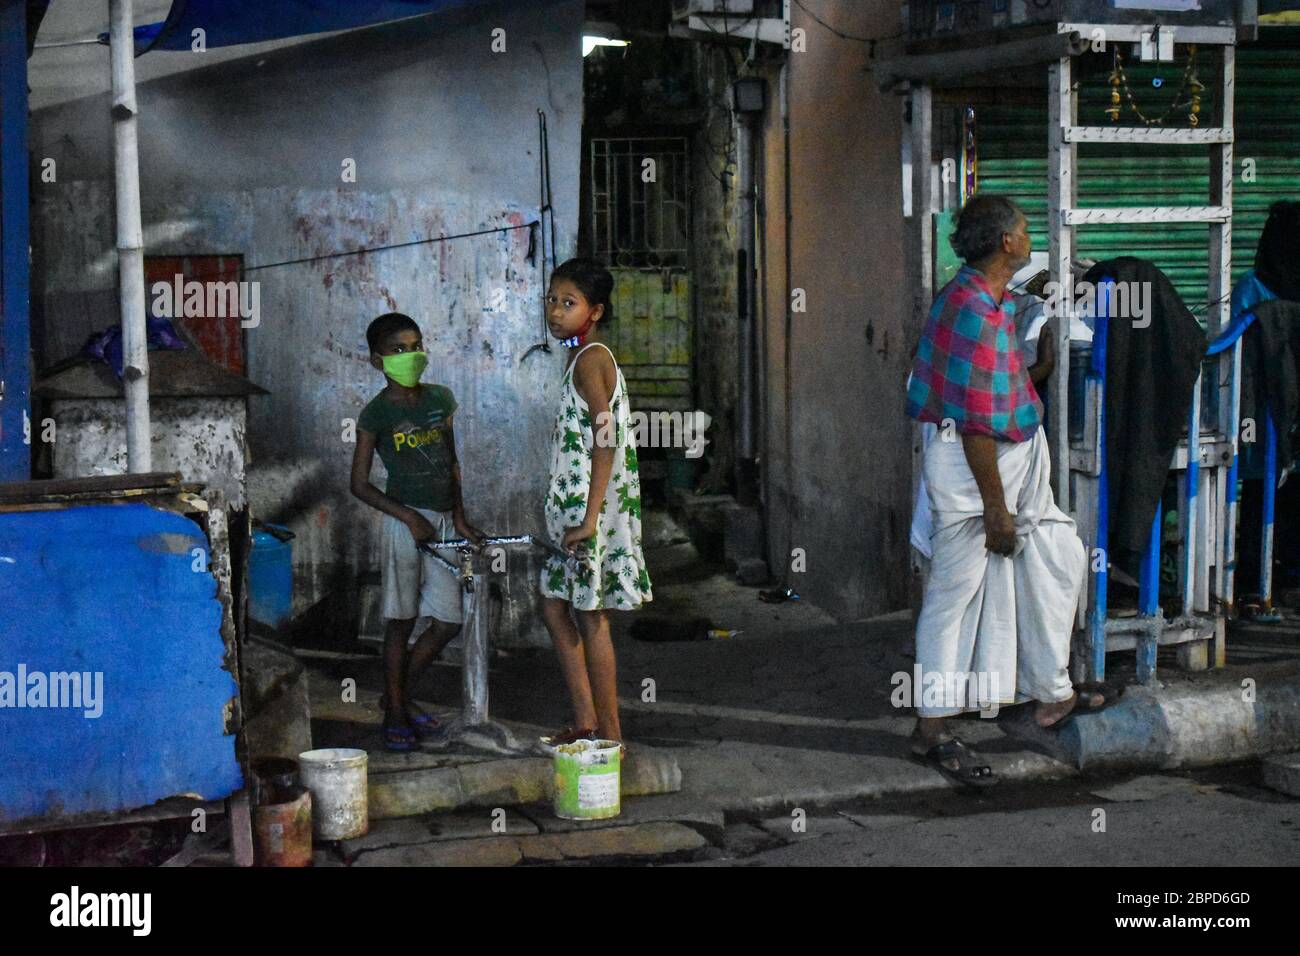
[587,776]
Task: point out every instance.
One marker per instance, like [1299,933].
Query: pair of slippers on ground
[958,762]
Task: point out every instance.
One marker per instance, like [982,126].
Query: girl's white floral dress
[612,574]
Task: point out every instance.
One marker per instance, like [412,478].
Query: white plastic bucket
[337,781]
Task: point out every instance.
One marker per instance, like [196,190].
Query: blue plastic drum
[270,579]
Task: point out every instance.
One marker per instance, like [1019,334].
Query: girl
[593,505]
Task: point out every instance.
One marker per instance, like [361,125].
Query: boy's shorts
[413,583]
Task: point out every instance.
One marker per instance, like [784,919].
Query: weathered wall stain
[202,438]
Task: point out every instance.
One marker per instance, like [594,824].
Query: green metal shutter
[1012,152]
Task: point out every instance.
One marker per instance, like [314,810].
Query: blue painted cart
[118,664]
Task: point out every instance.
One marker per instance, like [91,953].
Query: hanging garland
[1190,85]
[969,155]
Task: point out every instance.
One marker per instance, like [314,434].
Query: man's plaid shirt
[968,366]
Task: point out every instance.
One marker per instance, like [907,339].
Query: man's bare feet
[928,733]
[1047,714]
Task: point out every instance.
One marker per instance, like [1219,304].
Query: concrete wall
[203,438]
[836,463]
[246,157]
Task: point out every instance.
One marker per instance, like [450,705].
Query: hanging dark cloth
[1150,373]
[1277,257]
[36,10]
[1270,359]
[1270,365]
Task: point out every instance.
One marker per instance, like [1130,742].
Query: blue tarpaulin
[231,22]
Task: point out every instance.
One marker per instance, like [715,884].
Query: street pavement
[795,714]
[1204,819]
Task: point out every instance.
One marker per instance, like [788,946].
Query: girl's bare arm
[594,379]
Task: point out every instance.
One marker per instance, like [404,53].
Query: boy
[410,424]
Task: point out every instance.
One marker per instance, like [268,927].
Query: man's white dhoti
[1002,623]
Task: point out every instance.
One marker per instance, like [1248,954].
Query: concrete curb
[747,778]
[1219,720]
[1282,773]
[510,781]
[1207,720]
[1204,722]
[634,840]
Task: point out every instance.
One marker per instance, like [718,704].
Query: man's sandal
[970,771]
[1090,698]
[1098,695]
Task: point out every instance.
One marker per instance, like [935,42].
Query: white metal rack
[1198,630]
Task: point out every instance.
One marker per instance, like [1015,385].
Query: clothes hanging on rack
[1150,372]
[1270,361]
[1270,351]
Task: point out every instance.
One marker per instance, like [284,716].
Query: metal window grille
[637,223]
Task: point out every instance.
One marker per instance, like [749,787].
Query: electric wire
[872,41]
[395,245]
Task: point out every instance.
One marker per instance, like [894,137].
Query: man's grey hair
[981,224]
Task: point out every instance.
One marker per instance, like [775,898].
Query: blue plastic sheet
[106,346]
[231,22]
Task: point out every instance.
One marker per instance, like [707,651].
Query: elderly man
[1007,564]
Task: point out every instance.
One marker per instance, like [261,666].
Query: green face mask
[405,368]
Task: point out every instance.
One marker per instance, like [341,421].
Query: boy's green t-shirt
[412,443]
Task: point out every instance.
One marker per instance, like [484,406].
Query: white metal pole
[130,237]
[1062,112]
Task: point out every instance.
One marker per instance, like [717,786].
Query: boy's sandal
[970,771]
[425,725]
[399,739]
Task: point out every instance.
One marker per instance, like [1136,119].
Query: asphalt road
[1211,818]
